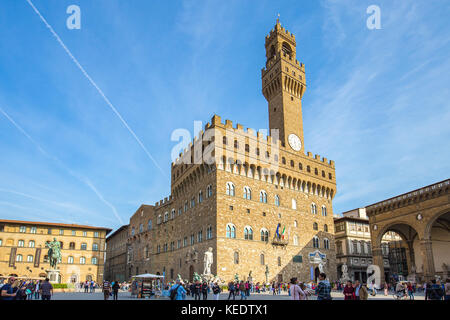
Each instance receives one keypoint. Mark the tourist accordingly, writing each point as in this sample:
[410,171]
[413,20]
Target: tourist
[242,290]
[231,290]
[91,286]
[363,292]
[46,290]
[180,291]
[115,289]
[447,289]
[305,291]
[29,290]
[386,288]
[435,292]
[410,290]
[247,289]
[216,291]
[323,289]
[357,287]
[295,291]
[37,289]
[205,290]
[197,290]
[349,291]
[400,290]
[106,288]
[7,292]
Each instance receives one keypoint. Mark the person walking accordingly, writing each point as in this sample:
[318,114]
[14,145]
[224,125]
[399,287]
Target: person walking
[386,289]
[205,290]
[37,289]
[115,290]
[357,287]
[435,292]
[106,289]
[231,290]
[363,292]
[216,291]
[323,289]
[349,291]
[46,290]
[410,289]
[7,292]
[242,290]
[180,291]
[447,289]
[197,290]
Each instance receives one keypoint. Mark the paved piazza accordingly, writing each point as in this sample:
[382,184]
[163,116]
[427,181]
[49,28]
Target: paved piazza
[223,296]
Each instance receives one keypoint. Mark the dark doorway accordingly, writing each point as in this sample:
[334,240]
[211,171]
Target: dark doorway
[191,273]
[316,274]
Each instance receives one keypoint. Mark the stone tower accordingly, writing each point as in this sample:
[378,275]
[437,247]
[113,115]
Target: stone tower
[283,85]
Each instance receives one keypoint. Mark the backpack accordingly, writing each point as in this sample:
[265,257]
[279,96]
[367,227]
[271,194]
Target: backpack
[435,293]
[174,292]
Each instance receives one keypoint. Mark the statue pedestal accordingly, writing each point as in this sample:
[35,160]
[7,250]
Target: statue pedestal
[54,275]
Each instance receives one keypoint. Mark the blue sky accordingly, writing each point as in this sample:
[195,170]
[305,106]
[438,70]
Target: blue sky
[377,101]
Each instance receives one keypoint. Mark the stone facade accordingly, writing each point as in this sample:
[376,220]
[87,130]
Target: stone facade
[232,188]
[353,244]
[23,251]
[422,218]
[116,253]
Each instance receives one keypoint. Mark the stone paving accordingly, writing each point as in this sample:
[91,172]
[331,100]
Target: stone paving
[223,296]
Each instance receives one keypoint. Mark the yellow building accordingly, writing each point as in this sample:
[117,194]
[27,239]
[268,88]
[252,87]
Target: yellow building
[23,251]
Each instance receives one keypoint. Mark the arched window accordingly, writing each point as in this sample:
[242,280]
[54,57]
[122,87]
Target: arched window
[261,259]
[209,191]
[209,232]
[231,231]
[236,257]
[324,211]
[166,216]
[300,166]
[70,260]
[263,196]
[248,233]
[295,240]
[277,200]
[294,204]
[172,214]
[21,243]
[200,197]
[149,225]
[83,246]
[313,208]
[224,140]
[141,228]
[286,48]
[295,223]
[230,189]
[132,231]
[95,247]
[72,246]
[94,260]
[29,258]
[279,261]
[185,206]
[283,160]
[264,235]
[325,228]
[315,242]
[326,243]
[315,226]
[31,244]
[82,260]
[19,258]
[247,193]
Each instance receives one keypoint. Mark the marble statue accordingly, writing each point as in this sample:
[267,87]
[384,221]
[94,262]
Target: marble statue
[207,261]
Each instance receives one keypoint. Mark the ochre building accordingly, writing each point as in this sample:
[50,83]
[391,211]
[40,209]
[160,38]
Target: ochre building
[23,251]
[258,199]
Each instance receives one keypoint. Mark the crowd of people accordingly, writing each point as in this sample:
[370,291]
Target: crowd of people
[15,289]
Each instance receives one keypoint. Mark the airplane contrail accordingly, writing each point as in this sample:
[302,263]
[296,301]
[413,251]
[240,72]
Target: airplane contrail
[95,86]
[46,154]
